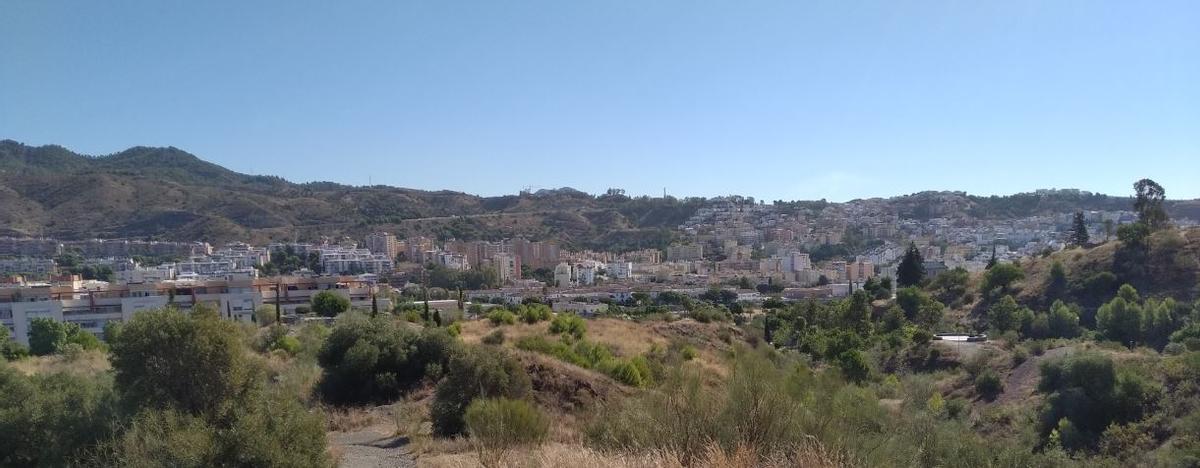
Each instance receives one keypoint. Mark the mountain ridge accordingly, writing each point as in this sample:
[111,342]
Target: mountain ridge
[167,193]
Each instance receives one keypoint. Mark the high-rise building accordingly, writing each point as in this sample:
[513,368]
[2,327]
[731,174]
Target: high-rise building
[508,266]
[383,243]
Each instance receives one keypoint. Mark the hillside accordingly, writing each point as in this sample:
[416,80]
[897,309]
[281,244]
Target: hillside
[170,194]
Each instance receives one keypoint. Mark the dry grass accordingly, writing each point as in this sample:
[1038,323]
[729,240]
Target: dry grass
[556,455]
[349,419]
[624,337]
[87,363]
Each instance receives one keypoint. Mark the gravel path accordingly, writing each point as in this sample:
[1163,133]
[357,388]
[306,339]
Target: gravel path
[372,447]
[1022,381]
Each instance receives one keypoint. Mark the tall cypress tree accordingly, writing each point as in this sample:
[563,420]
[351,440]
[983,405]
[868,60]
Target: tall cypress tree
[912,267]
[1079,232]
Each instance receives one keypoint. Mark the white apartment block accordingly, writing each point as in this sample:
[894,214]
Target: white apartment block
[620,270]
[92,305]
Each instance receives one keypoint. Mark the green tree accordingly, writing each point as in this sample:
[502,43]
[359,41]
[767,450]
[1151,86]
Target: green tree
[912,268]
[1087,391]
[1063,320]
[1000,278]
[193,362]
[1121,319]
[53,420]
[951,285]
[329,304]
[1005,314]
[854,365]
[46,336]
[1079,232]
[1148,203]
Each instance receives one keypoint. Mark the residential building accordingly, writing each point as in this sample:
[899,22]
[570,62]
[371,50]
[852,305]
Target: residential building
[383,243]
[685,252]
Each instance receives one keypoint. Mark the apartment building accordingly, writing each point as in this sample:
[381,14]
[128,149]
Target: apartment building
[677,253]
[508,267]
[91,304]
[383,243]
[859,271]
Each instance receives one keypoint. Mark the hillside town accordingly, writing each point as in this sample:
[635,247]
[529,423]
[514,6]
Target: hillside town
[755,249]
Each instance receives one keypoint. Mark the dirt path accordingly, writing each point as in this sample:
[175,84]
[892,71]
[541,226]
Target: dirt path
[1022,381]
[374,446]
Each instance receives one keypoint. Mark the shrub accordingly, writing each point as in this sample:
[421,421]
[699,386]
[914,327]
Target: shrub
[534,313]
[854,366]
[10,349]
[1019,356]
[988,384]
[288,344]
[265,315]
[49,336]
[455,329]
[312,337]
[54,419]
[501,423]
[369,359]
[1087,391]
[475,373]
[501,317]
[570,324]
[495,338]
[688,352]
[956,408]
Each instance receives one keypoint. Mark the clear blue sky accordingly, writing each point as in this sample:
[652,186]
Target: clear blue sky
[777,100]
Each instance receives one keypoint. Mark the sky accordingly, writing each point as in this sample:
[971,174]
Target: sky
[771,99]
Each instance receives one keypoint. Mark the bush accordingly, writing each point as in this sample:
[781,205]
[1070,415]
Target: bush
[501,423]
[534,313]
[53,420]
[10,349]
[1087,391]
[688,352]
[988,384]
[329,304]
[475,373]
[570,324]
[369,359]
[501,317]
[1019,356]
[854,366]
[956,408]
[495,338]
[49,336]
[265,315]
[455,329]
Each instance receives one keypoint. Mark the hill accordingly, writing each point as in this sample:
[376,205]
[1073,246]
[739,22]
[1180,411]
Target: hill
[170,194]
